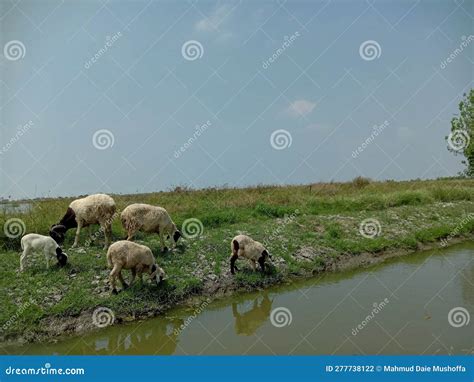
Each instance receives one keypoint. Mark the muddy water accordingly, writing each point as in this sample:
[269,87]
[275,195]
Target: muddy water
[399,307]
[15,208]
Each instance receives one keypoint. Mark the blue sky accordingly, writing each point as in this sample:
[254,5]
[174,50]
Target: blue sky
[322,93]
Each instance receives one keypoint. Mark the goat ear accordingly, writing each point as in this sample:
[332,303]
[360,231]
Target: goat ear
[176,235]
[62,259]
[154,270]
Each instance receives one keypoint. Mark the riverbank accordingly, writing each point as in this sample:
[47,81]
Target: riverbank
[324,314]
[308,230]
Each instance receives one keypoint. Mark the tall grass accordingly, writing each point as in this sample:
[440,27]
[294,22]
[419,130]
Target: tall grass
[219,207]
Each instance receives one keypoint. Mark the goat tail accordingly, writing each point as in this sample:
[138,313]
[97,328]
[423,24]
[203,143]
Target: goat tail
[109,260]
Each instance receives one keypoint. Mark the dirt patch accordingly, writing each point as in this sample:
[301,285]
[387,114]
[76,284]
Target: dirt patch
[310,254]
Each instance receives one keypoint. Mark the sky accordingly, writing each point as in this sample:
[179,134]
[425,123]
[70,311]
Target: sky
[142,96]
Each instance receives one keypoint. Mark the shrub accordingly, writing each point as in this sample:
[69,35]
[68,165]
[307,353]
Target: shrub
[408,198]
[274,211]
[451,194]
[361,182]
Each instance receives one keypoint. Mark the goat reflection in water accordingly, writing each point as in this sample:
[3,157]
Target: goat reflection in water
[161,336]
[248,322]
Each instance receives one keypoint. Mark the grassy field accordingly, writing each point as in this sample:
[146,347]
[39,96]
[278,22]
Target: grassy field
[308,229]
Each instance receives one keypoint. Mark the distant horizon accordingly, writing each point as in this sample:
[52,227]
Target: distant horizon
[225,187]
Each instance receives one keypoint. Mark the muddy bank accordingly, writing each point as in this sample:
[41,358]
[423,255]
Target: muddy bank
[322,259]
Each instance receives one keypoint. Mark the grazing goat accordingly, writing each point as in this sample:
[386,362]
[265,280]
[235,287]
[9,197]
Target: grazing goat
[245,246]
[138,258]
[38,243]
[151,219]
[93,209]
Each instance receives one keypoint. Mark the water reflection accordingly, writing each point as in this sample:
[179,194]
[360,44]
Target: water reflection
[249,321]
[441,278]
[467,277]
[157,337]
[15,207]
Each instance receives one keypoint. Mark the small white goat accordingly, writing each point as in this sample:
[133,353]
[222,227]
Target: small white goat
[34,242]
[138,258]
[245,246]
[152,219]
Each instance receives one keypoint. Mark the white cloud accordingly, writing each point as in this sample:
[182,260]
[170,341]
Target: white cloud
[300,108]
[217,17]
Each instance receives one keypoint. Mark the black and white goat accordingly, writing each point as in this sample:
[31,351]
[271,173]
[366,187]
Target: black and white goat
[34,242]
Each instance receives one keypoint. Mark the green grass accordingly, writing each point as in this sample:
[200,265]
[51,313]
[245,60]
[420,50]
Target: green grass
[324,217]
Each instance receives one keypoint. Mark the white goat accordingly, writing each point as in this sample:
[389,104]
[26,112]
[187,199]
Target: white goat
[93,209]
[138,258]
[152,219]
[34,242]
[245,246]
